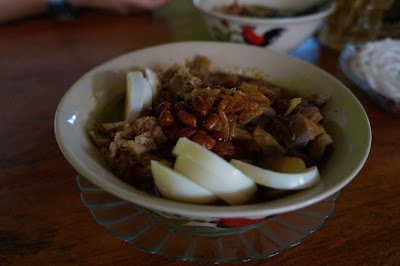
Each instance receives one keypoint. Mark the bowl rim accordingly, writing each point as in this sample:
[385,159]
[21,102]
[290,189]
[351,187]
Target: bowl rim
[327,9]
[143,199]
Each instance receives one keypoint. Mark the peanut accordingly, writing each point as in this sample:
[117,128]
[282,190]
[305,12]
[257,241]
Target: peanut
[201,131]
[163,106]
[186,132]
[225,150]
[166,119]
[201,106]
[204,140]
[187,119]
[211,122]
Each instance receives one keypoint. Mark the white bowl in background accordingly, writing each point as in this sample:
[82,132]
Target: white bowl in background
[280,34]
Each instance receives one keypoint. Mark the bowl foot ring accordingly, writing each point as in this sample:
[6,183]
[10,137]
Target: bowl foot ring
[145,232]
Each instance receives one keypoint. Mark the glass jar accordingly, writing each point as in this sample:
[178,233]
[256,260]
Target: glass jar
[355,21]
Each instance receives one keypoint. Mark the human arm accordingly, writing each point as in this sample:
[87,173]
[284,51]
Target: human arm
[11,9]
[14,9]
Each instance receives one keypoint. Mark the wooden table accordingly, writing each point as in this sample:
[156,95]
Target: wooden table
[42,220]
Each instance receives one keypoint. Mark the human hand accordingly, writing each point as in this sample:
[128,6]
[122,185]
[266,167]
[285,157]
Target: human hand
[123,7]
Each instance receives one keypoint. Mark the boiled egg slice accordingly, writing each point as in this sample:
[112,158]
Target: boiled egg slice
[154,82]
[173,185]
[136,91]
[225,185]
[148,95]
[140,92]
[279,180]
[212,172]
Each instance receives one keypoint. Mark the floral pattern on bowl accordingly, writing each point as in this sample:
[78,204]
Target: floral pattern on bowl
[246,34]
[280,33]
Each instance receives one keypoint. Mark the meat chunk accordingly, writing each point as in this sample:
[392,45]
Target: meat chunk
[199,67]
[268,144]
[123,144]
[143,135]
[304,130]
[148,141]
[183,81]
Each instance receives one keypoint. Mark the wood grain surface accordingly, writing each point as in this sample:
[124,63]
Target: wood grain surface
[42,220]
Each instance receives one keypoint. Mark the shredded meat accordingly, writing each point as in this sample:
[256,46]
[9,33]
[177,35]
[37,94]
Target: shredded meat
[124,143]
[199,67]
[182,81]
